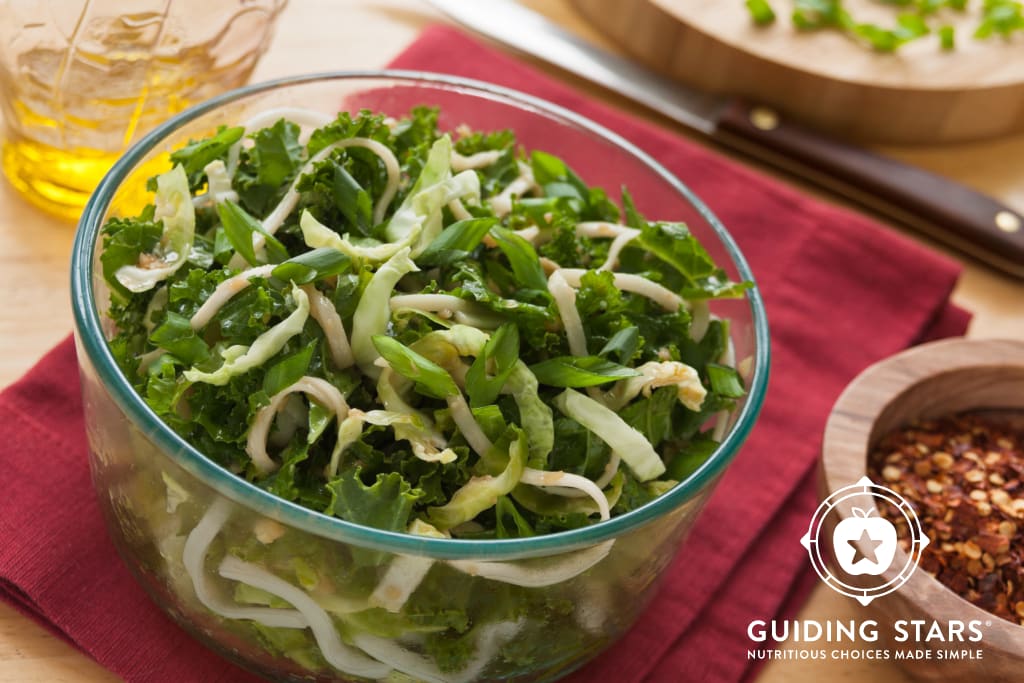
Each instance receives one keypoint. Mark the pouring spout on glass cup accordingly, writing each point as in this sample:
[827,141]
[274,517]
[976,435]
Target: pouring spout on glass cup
[81,80]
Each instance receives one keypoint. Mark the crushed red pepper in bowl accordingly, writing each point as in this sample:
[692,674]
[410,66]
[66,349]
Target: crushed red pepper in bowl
[964,475]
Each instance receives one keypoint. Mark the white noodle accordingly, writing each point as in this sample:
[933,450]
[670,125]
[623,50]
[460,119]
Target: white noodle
[340,656]
[156,303]
[621,236]
[458,371]
[474,161]
[194,559]
[291,416]
[610,470]
[616,247]
[304,117]
[447,306]
[467,424]
[701,318]
[146,359]
[320,389]
[630,282]
[529,234]
[745,367]
[722,417]
[721,424]
[429,302]
[490,638]
[593,605]
[339,604]
[458,210]
[535,477]
[600,229]
[307,118]
[565,301]
[540,573]
[729,355]
[326,315]
[272,222]
[548,265]
[502,204]
[224,292]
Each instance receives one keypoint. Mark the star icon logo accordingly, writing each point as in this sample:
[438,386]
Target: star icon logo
[864,543]
[864,548]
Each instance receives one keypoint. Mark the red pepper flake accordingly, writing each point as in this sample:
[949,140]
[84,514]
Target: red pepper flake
[963,476]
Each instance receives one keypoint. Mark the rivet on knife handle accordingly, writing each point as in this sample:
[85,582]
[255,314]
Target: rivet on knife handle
[943,209]
[1008,222]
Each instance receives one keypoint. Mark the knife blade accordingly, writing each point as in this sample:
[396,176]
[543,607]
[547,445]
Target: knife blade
[949,212]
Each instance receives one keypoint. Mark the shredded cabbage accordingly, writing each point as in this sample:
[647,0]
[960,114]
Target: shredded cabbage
[373,312]
[632,446]
[481,493]
[351,428]
[418,220]
[536,415]
[316,235]
[427,443]
[219,182]
[656,374]
[175,210]
[240,359]
[436,168]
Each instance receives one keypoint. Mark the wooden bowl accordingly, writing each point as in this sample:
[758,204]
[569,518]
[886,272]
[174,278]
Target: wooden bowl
[929,381]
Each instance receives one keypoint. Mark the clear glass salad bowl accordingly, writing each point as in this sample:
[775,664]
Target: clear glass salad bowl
[529,609]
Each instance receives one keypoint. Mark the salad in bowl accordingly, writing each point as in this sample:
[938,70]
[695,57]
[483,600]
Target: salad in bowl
[436,343]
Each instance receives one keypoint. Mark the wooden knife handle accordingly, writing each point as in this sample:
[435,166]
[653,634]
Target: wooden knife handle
[947,211]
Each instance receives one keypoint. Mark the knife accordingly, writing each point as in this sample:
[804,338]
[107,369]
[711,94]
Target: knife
[950,213]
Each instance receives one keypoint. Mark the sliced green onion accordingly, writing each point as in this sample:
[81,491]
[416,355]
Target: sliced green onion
[580,371]
[761,12]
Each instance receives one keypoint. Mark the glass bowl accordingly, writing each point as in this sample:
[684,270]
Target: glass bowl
[529,609]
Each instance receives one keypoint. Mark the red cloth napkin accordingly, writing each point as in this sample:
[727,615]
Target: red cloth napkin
[841,293]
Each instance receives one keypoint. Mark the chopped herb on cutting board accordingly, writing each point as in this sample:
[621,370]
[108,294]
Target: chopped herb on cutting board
[912,19]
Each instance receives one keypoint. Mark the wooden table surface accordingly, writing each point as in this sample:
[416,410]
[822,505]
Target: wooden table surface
[319,35]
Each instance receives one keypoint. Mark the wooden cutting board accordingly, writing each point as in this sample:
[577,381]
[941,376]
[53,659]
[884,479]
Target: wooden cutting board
[919,95]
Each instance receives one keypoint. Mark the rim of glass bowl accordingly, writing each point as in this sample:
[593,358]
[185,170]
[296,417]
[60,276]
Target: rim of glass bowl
[94,344]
